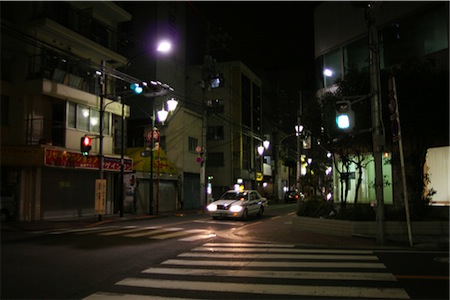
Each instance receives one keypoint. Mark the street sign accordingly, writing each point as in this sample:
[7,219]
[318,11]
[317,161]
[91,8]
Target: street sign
[148,136]
[259,176]
[100,196]
[198,149]
[146,153]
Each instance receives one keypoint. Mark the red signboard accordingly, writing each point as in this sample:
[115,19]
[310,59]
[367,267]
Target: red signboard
[60,158]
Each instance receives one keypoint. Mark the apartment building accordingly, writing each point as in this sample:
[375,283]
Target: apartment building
[58,81]
[233,127]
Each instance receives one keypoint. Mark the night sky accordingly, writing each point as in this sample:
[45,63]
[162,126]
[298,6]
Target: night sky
[277,37]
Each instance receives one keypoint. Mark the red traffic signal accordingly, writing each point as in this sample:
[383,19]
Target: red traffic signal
[85,145]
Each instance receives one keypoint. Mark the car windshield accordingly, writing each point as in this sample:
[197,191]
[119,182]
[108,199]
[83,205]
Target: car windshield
[233,196]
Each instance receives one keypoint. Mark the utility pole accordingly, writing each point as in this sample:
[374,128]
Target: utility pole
[207,61]
[395,117]
[378,137]
[299,144]
[101,183]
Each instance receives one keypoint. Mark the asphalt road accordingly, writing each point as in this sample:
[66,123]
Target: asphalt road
[192,256]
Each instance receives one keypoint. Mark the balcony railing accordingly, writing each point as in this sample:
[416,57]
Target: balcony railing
[60,69]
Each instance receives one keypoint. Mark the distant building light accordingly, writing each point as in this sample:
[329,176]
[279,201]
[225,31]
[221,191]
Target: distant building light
[215,82]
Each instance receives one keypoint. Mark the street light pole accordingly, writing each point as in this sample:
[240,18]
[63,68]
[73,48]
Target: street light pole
[102,79]
[122,168]
[152,145]
[162,117]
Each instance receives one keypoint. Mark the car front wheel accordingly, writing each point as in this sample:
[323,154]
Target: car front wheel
[260,212]
[245,215]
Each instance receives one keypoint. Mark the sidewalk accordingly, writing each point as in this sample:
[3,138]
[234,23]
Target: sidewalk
[274,230]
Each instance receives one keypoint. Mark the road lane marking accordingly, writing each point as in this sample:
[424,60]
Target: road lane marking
[198,237]
[120,230]
[270,289]
[81,230]
[152,231]
[360,276]
[247,245]
[118,296]
[277,256]
[284,250]
[274,264]
[178,233]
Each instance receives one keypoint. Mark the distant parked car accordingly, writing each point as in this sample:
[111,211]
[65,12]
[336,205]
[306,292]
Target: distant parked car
[293,196]
[238,204]
[7,204]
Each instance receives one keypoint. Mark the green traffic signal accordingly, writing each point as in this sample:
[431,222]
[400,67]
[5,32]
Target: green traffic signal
[345,117]
[136,88]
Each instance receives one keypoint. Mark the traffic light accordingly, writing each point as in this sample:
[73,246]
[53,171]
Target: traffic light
[85,145]
[137,88]
[345,117]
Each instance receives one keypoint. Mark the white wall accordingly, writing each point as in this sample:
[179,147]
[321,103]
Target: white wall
[438,168]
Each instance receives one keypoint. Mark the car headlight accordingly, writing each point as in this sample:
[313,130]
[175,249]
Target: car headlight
[236,208]
[211,207]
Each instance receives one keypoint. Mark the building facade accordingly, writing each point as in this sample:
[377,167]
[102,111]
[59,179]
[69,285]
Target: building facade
[233,127]
[406,31]
[58,85]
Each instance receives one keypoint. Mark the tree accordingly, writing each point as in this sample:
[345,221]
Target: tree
[348,147]
[422,94]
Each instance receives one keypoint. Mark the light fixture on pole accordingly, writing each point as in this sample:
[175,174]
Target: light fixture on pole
[261,150]
[164,46]
[162,117]
[298,132]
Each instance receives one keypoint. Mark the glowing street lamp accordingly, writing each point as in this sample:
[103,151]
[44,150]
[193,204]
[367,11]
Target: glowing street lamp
[171,106]
[164,46]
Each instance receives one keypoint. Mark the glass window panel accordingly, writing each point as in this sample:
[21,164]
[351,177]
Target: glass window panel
[193,143]
[356,55]
[95,121]
[332,64]
[426,34]
[215,133]
[106,126]
[83,117]
[72,115]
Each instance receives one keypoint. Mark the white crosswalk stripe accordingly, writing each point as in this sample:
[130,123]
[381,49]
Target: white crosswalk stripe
[152,232]
[286,271]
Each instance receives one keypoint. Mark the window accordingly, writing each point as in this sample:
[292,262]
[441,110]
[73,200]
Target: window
[416,36]
[72,115]
[192,144]
[246,101]
[332,67]
[82,117]
[217,105]
[216,159]
[256,106]
[356,55]
[215,133]
[94,121]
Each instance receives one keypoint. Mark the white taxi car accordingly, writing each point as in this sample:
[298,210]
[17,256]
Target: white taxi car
[238,204]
